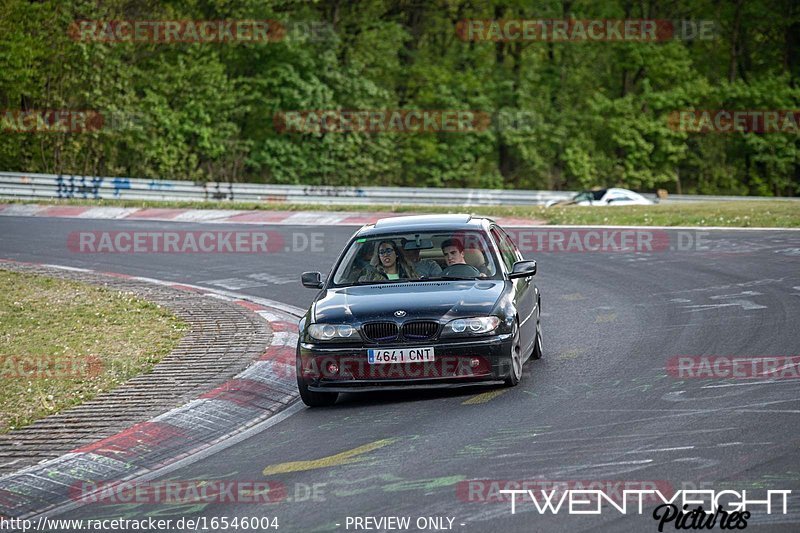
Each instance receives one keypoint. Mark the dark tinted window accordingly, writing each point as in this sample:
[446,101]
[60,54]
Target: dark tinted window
[507,250]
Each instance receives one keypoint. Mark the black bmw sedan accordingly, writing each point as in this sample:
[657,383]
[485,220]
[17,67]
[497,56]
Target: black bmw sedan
[420,301]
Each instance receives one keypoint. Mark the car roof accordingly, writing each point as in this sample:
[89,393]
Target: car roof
[424,223]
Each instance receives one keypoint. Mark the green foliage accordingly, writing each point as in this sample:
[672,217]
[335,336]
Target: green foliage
[566,115]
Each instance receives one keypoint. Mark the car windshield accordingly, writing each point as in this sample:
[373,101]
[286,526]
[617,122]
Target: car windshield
[589,195]
[416,257]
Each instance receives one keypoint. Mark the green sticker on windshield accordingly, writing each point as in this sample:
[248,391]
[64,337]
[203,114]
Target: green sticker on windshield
[361,240]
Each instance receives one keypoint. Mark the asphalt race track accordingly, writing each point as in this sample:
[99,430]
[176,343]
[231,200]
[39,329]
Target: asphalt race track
[599,407]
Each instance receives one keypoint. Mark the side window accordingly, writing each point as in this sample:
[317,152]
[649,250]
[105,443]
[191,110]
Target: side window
[512,245]
[507,251]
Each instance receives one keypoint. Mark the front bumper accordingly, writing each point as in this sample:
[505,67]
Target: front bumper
[458,362]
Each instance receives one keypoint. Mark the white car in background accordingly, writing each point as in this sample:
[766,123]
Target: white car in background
[614,196]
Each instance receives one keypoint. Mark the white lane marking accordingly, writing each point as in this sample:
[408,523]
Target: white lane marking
[161,282]
[759,382]
[108,212]
[73,269]
[648,450]
[204,215]
[623,437]
[735,300]
[681,412]
[252,280]
[219,297]
[22,210]
[673,396]
[315,218]
[275,279]
[737,295]
[781,411]
[752,283]
[233,284]
[279,317]
[788,251]
[746,305]
[284,338]
[577,468]
[703,462]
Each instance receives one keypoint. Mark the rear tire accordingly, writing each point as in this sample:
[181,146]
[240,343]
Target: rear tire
[514,358]
[311,398]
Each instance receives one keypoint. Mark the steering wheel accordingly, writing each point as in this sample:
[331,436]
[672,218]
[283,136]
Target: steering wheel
[461,270]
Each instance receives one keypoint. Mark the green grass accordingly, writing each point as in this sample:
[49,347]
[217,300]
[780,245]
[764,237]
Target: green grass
[63,342]
[752,213]
[744,214]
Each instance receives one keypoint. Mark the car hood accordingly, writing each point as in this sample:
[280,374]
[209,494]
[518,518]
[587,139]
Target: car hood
[433,300]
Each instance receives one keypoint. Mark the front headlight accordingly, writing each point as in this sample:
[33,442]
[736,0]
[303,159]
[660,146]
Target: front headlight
[479,325]
[328,332]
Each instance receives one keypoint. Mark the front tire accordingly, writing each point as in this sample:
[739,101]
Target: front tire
[537,345]
[514,358]
[311,398]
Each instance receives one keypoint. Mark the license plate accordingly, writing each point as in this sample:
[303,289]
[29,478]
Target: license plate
[399,355]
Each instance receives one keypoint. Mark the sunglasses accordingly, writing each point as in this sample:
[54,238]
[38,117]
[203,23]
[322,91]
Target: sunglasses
[385,251]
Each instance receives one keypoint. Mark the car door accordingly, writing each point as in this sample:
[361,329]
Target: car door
[524,289]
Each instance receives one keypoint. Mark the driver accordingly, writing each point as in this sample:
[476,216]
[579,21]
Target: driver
[453,250]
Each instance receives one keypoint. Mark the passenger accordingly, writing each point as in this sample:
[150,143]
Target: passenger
[426,268]
[388,263]
[361,263]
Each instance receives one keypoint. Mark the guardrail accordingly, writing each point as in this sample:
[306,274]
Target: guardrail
[29,186]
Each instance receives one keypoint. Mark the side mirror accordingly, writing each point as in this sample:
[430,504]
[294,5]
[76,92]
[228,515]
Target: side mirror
[523,269]
[311,280]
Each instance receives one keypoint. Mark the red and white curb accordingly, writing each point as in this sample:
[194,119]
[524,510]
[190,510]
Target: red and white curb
[215,216]
[244,405]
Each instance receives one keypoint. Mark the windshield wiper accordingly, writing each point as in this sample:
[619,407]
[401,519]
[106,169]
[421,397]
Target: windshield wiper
[447,278]
[376,282]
